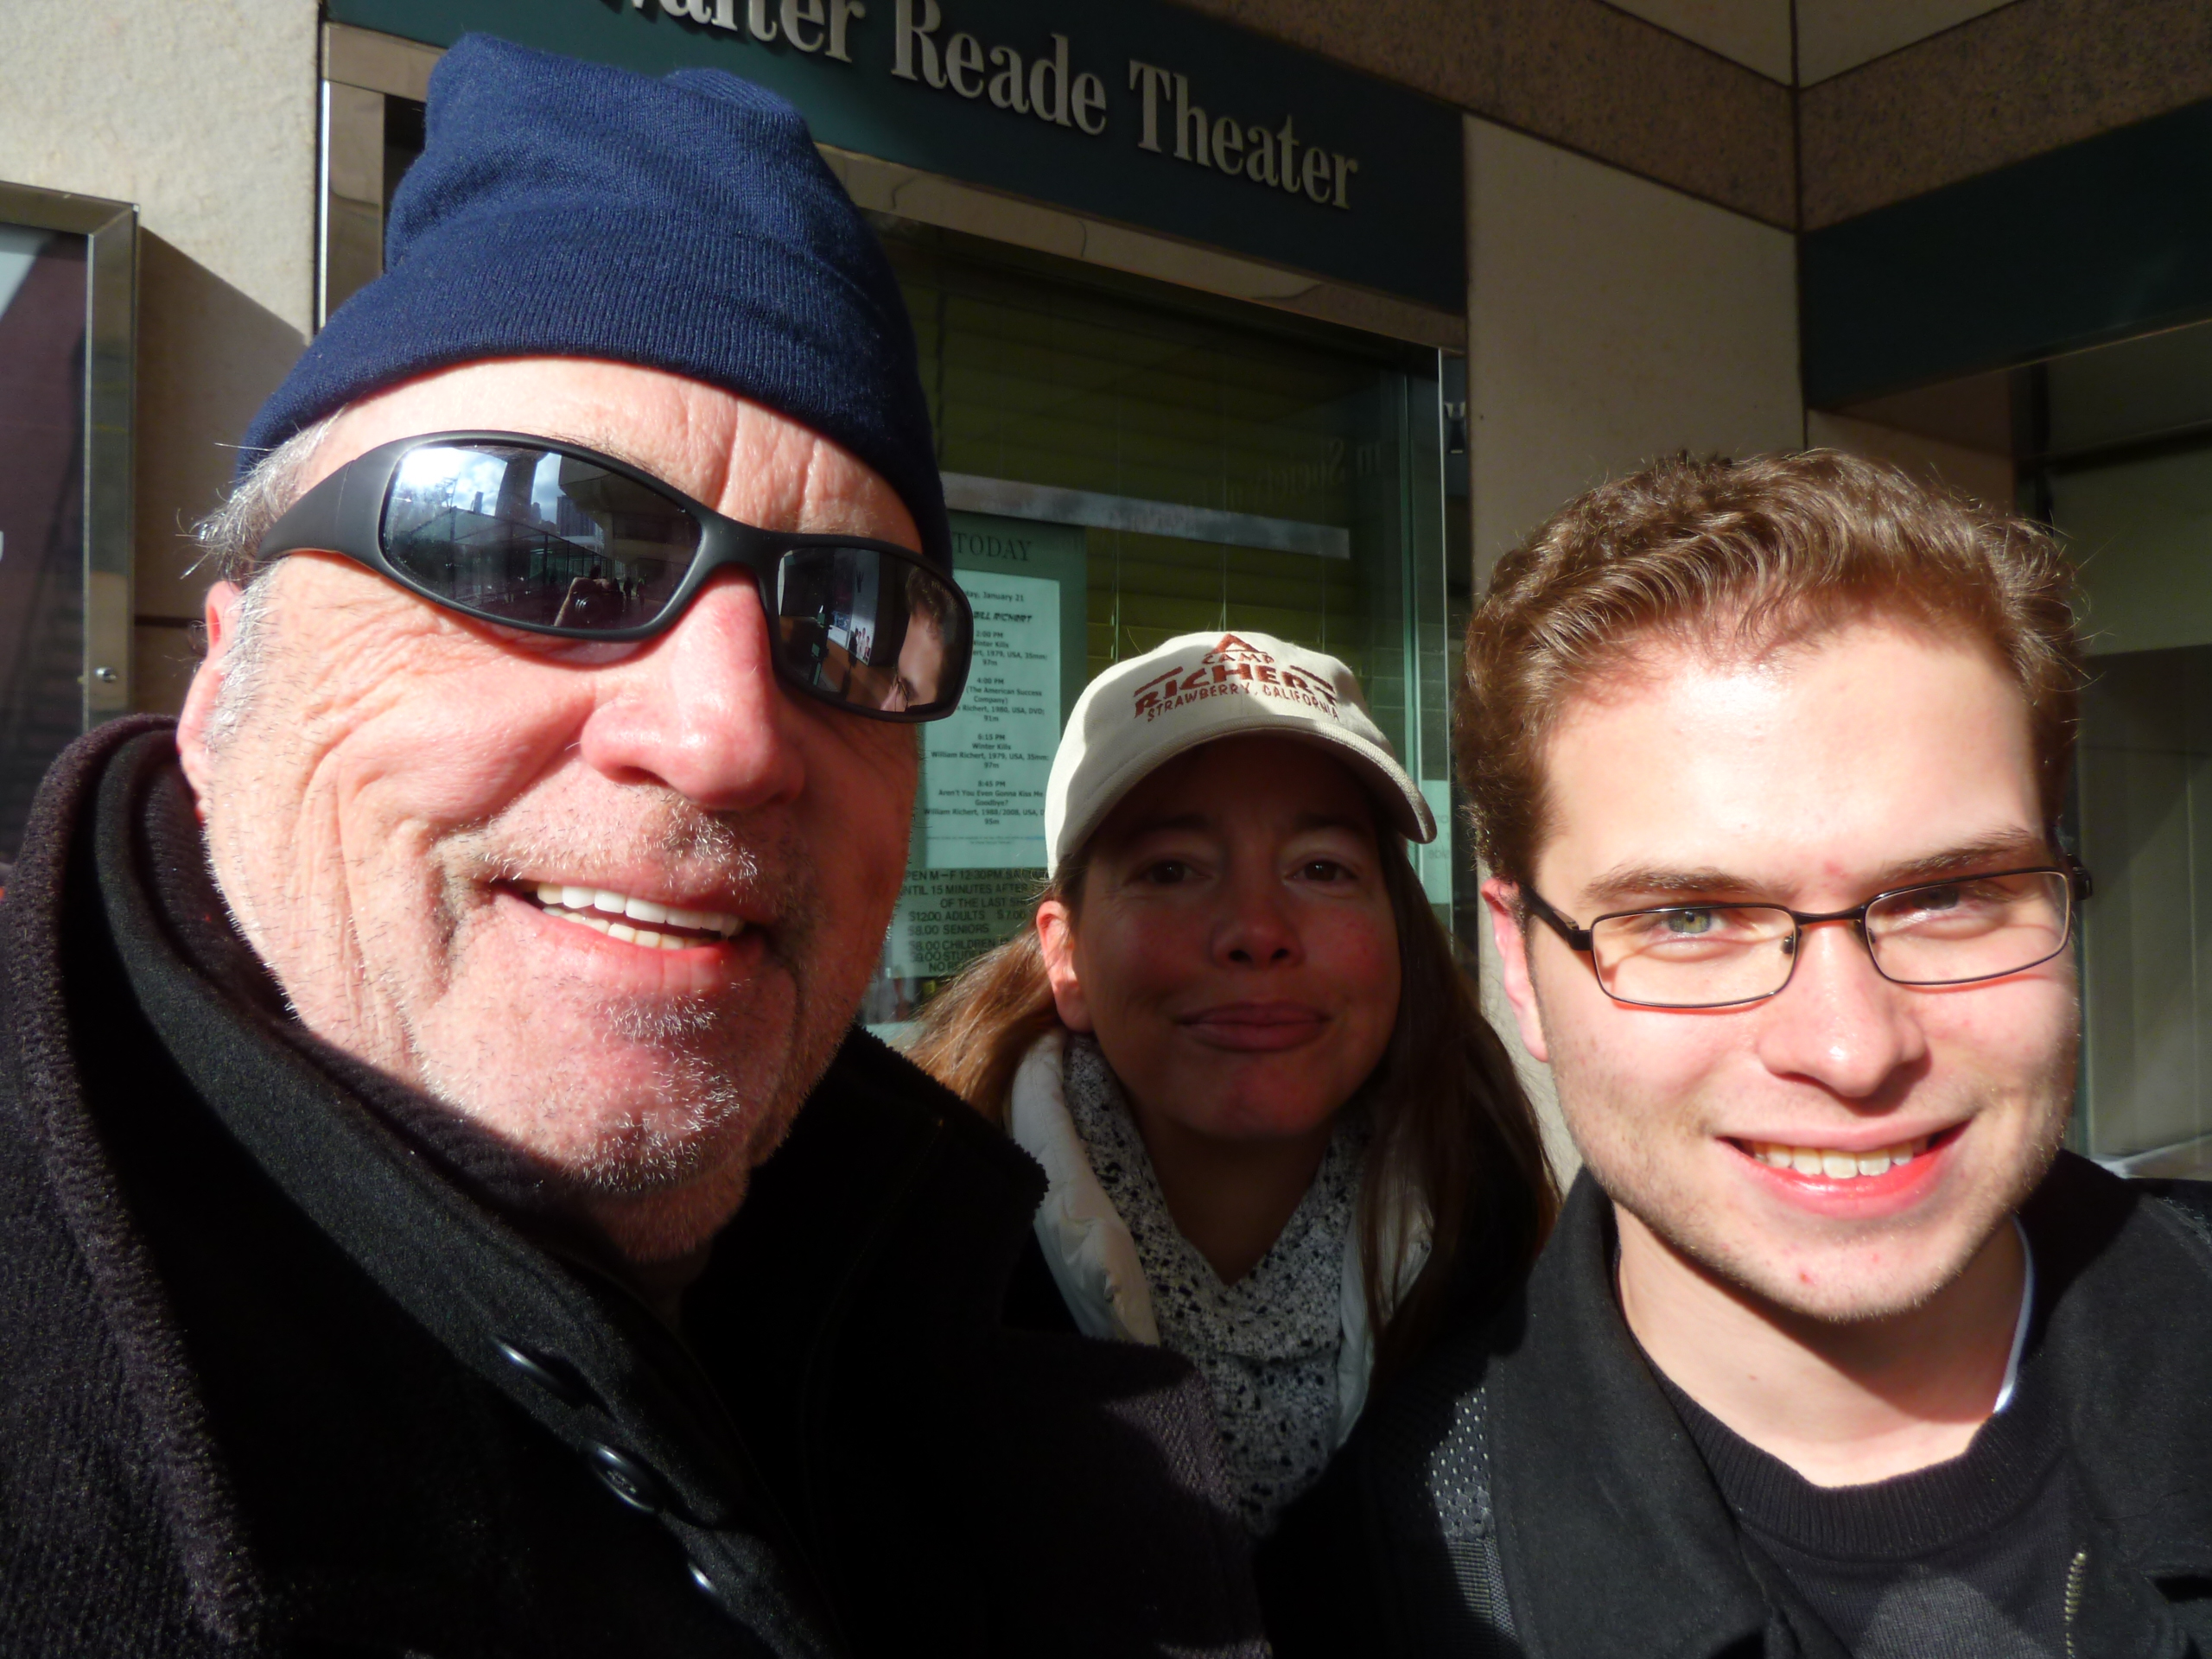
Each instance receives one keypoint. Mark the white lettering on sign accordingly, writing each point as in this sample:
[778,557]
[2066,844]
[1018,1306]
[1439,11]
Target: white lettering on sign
[809,25]
[1045,86]
[1227,145]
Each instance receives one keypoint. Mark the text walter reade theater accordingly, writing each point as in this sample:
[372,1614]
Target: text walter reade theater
[1049,85]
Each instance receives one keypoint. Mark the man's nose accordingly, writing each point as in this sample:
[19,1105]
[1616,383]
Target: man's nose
[1256,928]
[1838,1023]
[700,709]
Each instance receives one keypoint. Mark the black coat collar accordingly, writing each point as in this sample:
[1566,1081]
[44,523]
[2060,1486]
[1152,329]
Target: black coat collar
[1586,1454]
[555,1330]
[475,1241]
[1616,1542]
[2128,1343]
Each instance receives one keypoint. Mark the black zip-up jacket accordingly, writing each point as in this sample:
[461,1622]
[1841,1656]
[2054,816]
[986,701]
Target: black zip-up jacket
[292,1364]
[1528,1490]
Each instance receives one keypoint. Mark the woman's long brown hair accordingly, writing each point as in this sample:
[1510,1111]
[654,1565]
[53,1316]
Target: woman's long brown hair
[1452,1124]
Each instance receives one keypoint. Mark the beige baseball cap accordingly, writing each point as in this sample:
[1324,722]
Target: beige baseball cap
[1201,687]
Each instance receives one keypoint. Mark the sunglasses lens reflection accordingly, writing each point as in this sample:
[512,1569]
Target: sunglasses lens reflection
[874,632]
[532,536]
[536,538]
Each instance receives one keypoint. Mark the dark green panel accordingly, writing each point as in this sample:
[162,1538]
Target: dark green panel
[1401,231]
[2104,238]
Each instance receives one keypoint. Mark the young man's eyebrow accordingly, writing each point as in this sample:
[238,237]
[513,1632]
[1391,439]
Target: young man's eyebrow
[2002,849]
[2007,850]
[1627,883]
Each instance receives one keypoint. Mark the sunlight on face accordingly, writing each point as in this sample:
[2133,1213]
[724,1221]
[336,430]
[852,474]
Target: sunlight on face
[1809,780]
[1234,951]
[614,904]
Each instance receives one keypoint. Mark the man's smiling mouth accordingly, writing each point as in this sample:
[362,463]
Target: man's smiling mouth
[1841,1164]
[643,922]
[1835,1165]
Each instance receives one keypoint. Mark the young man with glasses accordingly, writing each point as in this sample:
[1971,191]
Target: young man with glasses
[445,1204]
[1834,1352]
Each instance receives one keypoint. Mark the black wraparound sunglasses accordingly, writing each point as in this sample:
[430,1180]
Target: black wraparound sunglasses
[551,538]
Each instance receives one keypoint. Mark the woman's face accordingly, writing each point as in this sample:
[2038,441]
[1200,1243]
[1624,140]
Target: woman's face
[1234,951]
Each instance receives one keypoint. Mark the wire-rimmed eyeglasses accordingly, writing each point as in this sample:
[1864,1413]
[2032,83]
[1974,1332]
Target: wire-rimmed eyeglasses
[1956,932]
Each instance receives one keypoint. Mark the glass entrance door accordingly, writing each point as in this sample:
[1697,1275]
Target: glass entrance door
[1126,462]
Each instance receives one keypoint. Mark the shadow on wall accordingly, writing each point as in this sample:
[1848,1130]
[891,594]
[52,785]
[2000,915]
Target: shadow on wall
[208,357]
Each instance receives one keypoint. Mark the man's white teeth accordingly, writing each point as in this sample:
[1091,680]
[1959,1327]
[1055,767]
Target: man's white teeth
[1837,1165]
[617,914]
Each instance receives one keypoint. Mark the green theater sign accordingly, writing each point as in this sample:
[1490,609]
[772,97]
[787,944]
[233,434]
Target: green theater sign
[1137,110]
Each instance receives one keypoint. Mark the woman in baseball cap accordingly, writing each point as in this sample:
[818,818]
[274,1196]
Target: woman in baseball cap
[1280,1137]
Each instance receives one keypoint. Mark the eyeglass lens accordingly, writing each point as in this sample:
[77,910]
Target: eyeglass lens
[1942,934]
[540,539]
[535,539]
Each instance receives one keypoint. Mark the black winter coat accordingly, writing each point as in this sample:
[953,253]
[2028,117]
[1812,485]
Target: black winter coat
[1527,1491]
[290,1363]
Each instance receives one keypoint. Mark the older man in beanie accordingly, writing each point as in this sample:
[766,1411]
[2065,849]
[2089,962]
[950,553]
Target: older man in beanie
[445,1206]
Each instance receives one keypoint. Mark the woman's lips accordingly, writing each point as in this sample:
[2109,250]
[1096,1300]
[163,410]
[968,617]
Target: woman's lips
[1255,1026]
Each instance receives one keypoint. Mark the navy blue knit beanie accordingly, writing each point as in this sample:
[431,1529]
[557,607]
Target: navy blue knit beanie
[563,208]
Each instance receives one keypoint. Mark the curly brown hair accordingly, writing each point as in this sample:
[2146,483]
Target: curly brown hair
[1741,558]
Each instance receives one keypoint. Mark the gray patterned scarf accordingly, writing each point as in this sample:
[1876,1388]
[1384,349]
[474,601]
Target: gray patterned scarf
[1266,1345]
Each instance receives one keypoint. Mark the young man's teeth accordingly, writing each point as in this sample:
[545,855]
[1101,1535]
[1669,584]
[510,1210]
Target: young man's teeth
[1837,1165]
[618,915]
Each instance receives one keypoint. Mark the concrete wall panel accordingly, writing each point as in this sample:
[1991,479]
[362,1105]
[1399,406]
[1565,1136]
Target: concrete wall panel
[2028,78]
[1611,320]
[1577,72]
[1754,33]
[205,115]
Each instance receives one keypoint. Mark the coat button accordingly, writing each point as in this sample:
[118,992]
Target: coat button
[627,1478]
[555,1376]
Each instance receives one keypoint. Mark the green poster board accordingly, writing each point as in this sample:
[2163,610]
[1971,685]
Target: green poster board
[978,849]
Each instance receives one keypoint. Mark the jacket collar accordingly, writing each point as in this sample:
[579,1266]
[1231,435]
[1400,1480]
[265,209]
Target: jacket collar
[1585,1453]
[1616,1541]
[466,1238]
[2127,1343]
[1086,1244]
[49,926]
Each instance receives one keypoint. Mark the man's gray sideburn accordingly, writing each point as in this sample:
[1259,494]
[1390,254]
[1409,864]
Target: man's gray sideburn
[229,538]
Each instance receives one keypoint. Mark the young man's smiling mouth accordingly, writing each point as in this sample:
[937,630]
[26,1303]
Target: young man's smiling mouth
[1812,1163]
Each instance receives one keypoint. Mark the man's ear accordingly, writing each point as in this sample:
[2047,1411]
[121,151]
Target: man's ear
[1503,898]
[221,616]
[1055,939]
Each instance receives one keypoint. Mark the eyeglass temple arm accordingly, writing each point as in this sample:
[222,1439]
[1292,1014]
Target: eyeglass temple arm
[1577,938]
[322,519]
[2079,875]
